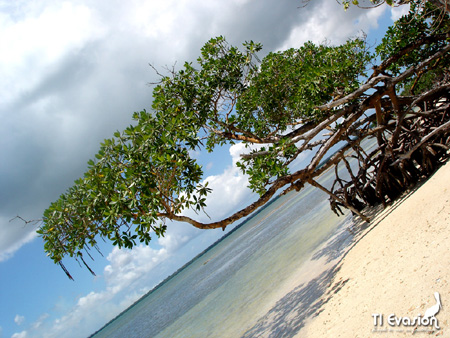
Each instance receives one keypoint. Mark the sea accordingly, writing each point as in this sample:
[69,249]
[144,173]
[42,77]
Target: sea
[266,278]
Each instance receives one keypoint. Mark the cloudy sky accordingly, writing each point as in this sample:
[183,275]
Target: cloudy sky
[71,74]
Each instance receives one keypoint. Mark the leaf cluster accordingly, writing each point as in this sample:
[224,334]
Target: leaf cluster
[421,24]
[291,84]
[146,175]
[140,177]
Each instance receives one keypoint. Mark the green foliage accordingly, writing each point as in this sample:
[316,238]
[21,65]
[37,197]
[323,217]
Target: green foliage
[288,88]
[145,175]
[233,96]
[420,24]
[291,84]
[264,170]
[206,98]
[374,3]
[141,177]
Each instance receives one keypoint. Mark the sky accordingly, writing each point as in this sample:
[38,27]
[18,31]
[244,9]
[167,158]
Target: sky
[71,74]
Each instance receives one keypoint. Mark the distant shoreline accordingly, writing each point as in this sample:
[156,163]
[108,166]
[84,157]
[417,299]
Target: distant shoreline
[170,277]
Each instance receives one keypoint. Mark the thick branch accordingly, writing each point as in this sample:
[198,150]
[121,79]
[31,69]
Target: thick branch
[394,58]
[381,77]
[436,131]
[279,183]
[321,187]
[307,134]
[231,136]
[334,139]
[357,93]
[411,70]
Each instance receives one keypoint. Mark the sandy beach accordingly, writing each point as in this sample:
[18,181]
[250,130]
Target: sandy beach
[393,271]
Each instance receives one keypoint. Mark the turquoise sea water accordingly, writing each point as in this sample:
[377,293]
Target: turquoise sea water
[234,289]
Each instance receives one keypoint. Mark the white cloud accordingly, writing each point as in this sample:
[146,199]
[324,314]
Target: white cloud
[230,189]
[31,44]
[128,271]
[126,275]
[83,318]
[38,323]
[334,24]
[126,281]
[399,11]
[128,266]
[73,73]
[14,235]
[22,334]
[19,319]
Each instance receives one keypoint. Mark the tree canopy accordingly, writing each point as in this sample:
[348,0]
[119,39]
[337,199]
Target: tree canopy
[442,5]
[145,175]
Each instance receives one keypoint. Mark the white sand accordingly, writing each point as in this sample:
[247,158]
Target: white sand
[394,269]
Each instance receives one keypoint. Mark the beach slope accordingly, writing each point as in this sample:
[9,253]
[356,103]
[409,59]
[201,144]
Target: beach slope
[394,269]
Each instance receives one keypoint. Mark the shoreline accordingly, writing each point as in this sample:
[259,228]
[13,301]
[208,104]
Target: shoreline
[394,267]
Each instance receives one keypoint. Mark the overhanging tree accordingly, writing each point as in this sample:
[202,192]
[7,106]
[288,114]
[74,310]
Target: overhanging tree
[442,5]
[311,98]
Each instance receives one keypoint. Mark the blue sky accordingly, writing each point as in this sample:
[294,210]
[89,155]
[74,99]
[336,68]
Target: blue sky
[72,73]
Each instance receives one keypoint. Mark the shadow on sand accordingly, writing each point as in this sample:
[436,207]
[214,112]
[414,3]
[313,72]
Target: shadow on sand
[291,312]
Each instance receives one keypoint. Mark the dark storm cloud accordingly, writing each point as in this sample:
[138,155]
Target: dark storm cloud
[51,130]
[59,108]
[72,73]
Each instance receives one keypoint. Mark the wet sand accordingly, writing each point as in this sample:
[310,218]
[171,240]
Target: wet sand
[395,267]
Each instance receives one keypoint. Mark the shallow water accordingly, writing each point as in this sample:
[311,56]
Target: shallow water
[233,290]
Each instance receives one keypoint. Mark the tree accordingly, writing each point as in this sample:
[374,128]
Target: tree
[145,175]
[443,5]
